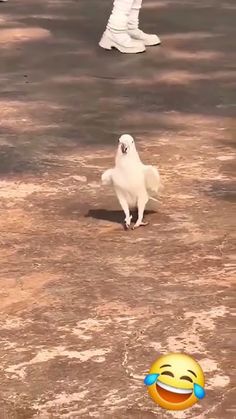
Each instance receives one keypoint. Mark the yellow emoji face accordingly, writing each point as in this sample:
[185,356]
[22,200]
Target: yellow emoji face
[175,381]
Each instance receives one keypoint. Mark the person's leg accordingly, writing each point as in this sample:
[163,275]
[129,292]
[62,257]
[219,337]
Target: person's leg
[116,34]
[133,26]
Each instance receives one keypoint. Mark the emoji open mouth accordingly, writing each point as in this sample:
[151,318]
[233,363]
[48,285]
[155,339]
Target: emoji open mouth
[172,394]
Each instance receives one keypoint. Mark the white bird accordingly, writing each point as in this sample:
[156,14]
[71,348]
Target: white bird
[134,182]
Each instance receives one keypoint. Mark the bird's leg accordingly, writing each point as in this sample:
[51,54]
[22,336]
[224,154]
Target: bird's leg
[125,207]
[141,207]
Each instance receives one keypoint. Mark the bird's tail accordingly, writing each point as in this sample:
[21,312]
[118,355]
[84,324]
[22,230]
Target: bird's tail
[153,199]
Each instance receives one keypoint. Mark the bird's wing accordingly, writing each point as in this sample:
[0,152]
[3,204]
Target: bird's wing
[107,177]
[152,179]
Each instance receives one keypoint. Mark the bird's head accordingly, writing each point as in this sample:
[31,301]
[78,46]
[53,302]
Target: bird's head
[126,144]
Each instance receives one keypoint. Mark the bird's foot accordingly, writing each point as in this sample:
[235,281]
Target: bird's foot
[127,222]
[140,223]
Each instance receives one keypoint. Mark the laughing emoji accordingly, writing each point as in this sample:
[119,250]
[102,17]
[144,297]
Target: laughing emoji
[175,381]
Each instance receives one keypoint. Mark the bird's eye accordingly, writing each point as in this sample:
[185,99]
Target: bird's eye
[185,377]
[167,373]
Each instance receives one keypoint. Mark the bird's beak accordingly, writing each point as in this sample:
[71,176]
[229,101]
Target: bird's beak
[124,149]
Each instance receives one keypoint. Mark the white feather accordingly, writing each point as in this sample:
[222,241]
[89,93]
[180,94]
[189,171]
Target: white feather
[152,180]
[107,177]
[134,183]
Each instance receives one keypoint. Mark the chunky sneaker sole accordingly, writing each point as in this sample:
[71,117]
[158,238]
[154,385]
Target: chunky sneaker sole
[108,43]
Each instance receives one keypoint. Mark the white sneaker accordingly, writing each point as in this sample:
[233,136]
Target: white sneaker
[121,41]
[148,39]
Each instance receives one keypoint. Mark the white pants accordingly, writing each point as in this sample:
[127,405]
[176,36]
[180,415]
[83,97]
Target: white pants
[125,14]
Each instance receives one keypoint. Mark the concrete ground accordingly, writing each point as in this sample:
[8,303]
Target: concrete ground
[85,306]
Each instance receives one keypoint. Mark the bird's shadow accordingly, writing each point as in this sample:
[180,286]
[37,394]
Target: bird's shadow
[114,216]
